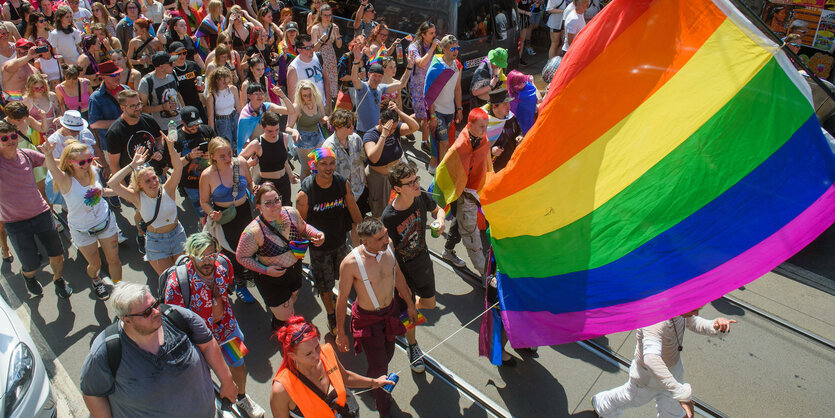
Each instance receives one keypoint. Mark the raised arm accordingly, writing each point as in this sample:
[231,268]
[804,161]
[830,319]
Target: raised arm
[116,182]
[177,168]
[404,79]
[62,179]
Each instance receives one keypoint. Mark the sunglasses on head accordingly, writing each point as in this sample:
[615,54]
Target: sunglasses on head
[82,163]
[10,137]
[148,311]
[298,336]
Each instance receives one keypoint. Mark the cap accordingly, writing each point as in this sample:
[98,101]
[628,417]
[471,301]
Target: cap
[160,58]
[176,47]
[291,26]
[375,68]
[22,42]
[108,68]
[190,116]
[498,57]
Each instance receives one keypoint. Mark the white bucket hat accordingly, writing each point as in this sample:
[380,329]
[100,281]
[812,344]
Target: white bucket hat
[73,121]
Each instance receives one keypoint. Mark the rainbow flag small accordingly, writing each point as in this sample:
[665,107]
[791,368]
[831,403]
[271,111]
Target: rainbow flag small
[404,318]
[233,350]
[409,38]
[298,248]
[379,55]
[14,95]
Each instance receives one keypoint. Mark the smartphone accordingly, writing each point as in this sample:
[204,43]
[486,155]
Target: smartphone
[42,49]
[204,146]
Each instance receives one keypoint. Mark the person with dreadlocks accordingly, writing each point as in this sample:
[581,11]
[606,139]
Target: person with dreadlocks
[311,381]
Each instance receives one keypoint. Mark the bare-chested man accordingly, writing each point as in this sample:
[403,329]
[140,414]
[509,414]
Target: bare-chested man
[375,316]
[16,70]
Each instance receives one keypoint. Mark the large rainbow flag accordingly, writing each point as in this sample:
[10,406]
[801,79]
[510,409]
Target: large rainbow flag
[677,157]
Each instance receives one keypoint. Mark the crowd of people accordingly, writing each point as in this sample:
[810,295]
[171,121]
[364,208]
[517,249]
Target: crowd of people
[145,102]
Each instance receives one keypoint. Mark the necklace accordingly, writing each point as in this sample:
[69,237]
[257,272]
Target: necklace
[675,330]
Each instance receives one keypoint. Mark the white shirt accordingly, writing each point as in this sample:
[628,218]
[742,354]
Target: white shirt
[59,140]
[445,102]
[310,71]
[555,19]
[65,44]
[573,23]
[81,18]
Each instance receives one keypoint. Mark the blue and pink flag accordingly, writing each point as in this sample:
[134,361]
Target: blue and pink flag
[437,76]
[641,193]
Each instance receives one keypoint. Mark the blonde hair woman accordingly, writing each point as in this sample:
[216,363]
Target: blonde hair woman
[223,56]
[38,98]
[90,220]
[307,119]
[223,187]
[164,235]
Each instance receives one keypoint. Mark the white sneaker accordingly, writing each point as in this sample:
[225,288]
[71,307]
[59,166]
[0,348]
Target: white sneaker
[449,255]
[249,407]
[530,51]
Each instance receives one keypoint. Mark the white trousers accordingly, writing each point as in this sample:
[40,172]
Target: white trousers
[632,394]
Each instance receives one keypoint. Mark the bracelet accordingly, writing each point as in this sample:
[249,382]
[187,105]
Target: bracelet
[459,108]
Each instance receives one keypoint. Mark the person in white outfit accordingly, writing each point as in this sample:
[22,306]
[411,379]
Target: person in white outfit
[657,372]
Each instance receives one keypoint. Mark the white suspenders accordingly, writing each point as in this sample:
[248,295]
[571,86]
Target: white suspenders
[371,294]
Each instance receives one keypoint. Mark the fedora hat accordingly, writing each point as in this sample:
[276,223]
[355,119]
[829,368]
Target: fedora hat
[108,68]
[73,121]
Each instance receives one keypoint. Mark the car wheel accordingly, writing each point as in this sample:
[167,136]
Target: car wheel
[406,97]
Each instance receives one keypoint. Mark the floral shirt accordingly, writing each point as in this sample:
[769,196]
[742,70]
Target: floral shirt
[350,162]
[201,299]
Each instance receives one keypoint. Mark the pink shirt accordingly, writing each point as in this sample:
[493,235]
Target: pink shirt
[21,198]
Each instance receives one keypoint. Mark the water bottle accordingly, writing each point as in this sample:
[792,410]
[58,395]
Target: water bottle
[399,52]
[172,130]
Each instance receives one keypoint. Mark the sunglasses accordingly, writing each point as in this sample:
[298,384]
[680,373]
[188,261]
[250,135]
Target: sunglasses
[454,48]
[82,163]
[304,48]
[41,20]
[148,311]
[10,137]
[271,203]
[416,181]
[205,258]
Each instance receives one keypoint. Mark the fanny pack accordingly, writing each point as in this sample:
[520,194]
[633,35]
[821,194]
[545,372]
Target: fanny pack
[228,214]
[101,226]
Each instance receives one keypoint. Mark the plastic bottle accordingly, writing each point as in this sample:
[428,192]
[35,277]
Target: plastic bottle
[172,130]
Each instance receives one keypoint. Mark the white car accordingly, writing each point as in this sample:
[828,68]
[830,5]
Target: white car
[25,385]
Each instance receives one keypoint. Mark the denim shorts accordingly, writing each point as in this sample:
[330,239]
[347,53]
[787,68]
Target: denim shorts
[236,333]
[444,122]
[228,128]
[194,197]
[310,140]
[169,244]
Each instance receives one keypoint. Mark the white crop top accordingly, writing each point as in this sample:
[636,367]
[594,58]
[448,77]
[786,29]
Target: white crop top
[167,209]
[224,102]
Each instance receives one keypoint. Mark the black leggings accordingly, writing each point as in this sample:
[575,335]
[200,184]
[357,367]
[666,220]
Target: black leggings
[233,231]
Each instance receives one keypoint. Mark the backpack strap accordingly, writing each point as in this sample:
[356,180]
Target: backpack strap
[182,279]
[113,346]
[177,319]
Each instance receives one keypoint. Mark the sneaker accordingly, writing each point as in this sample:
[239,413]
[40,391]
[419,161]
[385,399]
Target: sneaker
[33,286]
[530,51]
[140,243]
[424,146]
[449,255]
[594,406]
[122,238]
[100,289]
[249,407]
[416,359]
[62,289]
[244,295]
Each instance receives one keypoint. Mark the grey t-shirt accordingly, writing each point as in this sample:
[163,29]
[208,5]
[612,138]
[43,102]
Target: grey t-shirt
[368,105]
[164,90]
[175,382]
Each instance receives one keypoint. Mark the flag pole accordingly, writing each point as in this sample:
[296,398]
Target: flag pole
[756,20]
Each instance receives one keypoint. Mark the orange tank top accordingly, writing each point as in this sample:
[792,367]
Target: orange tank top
[308,402]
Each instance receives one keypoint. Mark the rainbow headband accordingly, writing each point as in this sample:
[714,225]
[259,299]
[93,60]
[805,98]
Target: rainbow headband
[318,154]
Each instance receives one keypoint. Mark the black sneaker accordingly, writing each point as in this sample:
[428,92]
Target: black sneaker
[62,289]
[33,286]
[416,359]
[100,289]
[424,146]
[140,243]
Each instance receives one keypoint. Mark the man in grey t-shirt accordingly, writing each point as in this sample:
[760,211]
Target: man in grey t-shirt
[159,93]
[162,371]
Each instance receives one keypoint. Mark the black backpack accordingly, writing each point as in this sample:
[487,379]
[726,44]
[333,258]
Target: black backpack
[180,274]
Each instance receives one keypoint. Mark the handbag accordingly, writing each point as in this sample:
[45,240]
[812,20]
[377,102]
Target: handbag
[101,227]
[343,101]
[228,214]
[143,226]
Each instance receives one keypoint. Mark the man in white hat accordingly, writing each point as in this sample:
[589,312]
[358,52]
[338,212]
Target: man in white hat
[73,127]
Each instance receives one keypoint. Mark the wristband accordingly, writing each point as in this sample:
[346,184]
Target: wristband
[459,108]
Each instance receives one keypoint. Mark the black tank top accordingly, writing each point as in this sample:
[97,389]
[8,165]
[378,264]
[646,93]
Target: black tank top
[14,14]
[326,210]
[273,154]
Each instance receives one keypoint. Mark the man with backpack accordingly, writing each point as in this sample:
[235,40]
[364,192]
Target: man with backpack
[153,361]
[198,282]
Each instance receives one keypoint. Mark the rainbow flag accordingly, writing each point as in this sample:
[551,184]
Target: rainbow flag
[437,76]
[656,179]
[13,95]
[233,350]
[378,57]
[298,248]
